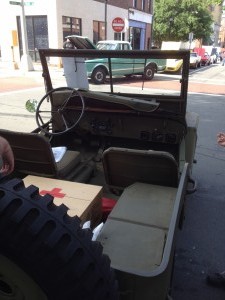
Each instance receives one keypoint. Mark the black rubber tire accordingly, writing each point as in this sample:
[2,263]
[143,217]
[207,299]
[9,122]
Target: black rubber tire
[51,248]
[98,75]
[149,72]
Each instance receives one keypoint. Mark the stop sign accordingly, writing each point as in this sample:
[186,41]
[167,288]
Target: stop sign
[118,24]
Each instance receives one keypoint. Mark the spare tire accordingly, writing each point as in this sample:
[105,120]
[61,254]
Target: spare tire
[44,253]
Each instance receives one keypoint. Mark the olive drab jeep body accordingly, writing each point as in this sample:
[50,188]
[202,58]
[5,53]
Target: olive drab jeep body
[135,139]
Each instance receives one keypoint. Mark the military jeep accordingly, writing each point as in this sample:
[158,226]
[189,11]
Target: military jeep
[132,137]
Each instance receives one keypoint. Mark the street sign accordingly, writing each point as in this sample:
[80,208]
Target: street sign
[14,3]
[118,24]
[28,3]
[19,3]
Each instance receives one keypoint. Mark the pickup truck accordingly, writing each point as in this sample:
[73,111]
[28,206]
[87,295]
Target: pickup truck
[195,60]
[99,69]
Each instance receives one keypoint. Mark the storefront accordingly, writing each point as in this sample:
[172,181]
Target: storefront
[139,29]
[137,35]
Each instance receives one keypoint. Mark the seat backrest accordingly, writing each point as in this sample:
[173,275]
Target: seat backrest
[32,153]
[123,167]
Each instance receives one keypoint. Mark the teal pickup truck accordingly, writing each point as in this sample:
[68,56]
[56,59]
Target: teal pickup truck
[99,69]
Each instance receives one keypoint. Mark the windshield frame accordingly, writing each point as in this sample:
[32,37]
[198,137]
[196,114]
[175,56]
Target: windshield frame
[179,100]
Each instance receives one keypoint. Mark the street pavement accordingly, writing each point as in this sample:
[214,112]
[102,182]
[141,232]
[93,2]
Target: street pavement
[16,87]
[200,245]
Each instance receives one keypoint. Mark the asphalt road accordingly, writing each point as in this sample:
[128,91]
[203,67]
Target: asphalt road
[201,243]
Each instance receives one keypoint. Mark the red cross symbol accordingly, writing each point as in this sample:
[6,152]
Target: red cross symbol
[54,192]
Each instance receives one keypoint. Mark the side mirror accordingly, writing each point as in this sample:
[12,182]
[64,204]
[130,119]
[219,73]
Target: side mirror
[31,105]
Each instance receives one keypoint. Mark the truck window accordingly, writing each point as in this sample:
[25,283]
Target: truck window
[126,47]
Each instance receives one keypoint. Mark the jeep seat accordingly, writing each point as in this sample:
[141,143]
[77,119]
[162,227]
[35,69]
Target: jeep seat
[123,167]
[33,155]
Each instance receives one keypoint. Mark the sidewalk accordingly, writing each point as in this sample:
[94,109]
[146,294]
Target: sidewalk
[16,87]
[8,68]
[12,79]
[16,79]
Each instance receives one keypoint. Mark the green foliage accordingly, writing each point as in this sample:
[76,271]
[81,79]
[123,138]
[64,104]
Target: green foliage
[175,19]
[218,2]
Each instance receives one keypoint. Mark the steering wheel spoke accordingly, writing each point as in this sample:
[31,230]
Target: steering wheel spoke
[64,121]
[46,111]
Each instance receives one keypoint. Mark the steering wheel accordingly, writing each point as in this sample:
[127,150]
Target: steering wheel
[66,114]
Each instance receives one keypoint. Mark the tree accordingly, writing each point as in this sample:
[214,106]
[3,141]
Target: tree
[217,2]
[175,19]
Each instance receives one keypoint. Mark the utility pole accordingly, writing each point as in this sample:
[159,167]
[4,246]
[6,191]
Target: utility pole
[106,4]
[26,61]
[190,38]
[170,25]
[152,32]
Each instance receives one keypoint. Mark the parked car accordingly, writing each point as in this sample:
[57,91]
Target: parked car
[206,59]
[99,69]
[195,60]
[174,65]
[213,52]
[214,58]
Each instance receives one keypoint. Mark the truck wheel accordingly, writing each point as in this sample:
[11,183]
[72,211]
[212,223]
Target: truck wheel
[149,72]
[98,76]
[44,253]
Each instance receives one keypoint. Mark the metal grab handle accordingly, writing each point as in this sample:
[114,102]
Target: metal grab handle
[194,184]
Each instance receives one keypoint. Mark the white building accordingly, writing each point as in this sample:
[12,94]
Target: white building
[49,21]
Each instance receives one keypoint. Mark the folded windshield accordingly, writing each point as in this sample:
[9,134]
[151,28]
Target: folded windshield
[148,75]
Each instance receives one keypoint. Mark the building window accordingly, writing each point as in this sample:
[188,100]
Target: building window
[119,36]
[143,5]
[135,3]
[135,37]
[149,6]
[37,35]
[71,26]
[98,31]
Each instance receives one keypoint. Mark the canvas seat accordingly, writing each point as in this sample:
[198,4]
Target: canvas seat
[144,220]
[123,167]
[33,155]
